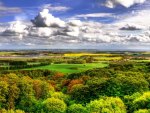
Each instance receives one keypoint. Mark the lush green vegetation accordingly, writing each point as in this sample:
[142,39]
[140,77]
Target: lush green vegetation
[71,68]
[56,85]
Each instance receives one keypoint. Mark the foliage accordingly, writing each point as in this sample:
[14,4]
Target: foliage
[107,105]
[77,108]
[53,105]
[142,111]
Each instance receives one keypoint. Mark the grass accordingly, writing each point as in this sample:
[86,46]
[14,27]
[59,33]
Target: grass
[71,68]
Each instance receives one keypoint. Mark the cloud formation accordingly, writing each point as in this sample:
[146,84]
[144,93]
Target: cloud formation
[125,3]
[45,19]
[49,30]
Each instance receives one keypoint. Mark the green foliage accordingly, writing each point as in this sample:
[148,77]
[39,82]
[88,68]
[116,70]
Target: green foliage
[142,102]
[3,91]
[26,100]
[77,108]
[128,100]
[53,105]
[126,84]
[142,111]
[107,105]
[11,111]
[61,96]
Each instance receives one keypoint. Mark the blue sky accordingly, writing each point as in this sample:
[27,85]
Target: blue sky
[29,8]
[105,24]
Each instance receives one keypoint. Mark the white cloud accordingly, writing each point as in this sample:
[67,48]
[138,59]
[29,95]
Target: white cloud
[72,31]
[75,23]
[16,27]
[138,18]
[55,8]
[93,15]
[4,10]
[45,19]
[40,32]
[125,3]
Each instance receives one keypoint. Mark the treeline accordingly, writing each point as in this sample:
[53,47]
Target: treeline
[14,65]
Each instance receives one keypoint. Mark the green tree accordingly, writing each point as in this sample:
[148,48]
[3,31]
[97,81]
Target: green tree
[77,108]
[26,100]
[3,91]
[53,105]
[142,102]
[107,105]
[142,111]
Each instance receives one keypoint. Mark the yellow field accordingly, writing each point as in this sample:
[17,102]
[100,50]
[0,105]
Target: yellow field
[85,54]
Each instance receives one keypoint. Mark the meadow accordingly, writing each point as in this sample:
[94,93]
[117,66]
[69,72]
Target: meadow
[71,68]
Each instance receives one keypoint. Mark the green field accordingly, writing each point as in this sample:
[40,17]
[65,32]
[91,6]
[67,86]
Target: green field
[71,68]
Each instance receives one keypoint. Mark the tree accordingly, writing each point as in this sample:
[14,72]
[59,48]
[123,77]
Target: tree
[77,108]
[142,111]
[53,105]
[42,89]
[26,100]
[3,91]
[107,105]
[143,101]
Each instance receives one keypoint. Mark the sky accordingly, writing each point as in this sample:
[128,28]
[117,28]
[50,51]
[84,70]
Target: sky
[75,24]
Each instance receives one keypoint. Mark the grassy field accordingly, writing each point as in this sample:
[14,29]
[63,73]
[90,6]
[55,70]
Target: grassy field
[71,68]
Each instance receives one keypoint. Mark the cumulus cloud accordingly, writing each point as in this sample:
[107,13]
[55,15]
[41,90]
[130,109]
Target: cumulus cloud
[45,19]
[16,27]
[125,3]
